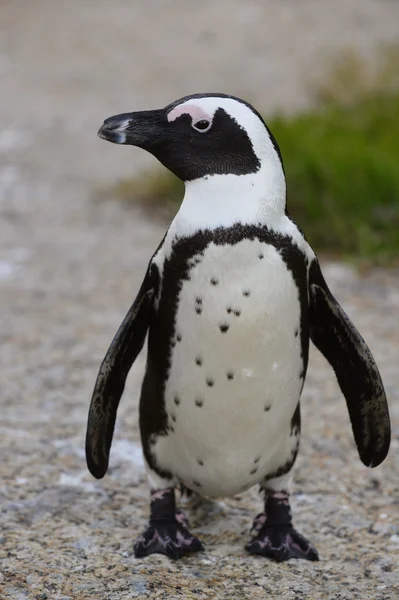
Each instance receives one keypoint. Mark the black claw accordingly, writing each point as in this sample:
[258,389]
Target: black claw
[167,537]
[281,543]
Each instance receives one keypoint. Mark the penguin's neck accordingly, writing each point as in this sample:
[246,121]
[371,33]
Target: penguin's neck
[222,200]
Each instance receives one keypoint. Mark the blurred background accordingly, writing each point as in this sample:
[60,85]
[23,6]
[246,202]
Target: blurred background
[79,220]
[66,65]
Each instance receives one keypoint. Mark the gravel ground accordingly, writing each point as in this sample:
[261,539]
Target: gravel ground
[70,265]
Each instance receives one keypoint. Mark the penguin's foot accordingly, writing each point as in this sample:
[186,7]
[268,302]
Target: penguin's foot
[281,543]
[275,535]
[167,532]
[167,537]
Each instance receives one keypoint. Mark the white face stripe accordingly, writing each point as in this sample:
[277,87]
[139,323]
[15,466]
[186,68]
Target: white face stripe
[205,108]
[197,113]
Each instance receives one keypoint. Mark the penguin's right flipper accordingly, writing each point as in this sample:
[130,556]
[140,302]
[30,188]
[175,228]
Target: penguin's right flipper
[112,375]
[339,341]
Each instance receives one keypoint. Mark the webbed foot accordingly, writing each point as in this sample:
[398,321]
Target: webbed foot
[166,537]
[275,535]
[281,543]
[167,532]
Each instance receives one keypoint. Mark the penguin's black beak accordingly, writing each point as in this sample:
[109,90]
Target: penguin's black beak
[136,129]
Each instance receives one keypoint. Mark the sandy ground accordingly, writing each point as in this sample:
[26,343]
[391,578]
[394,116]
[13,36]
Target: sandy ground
[70,265]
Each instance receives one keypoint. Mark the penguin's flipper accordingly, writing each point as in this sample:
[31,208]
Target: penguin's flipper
[111,378]
[339,341]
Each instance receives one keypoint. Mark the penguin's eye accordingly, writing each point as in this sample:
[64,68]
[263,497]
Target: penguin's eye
[202,126]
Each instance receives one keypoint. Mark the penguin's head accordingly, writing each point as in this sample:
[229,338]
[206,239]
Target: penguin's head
[199,136]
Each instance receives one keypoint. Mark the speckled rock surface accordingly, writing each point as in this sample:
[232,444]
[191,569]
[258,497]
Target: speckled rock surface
[71,264]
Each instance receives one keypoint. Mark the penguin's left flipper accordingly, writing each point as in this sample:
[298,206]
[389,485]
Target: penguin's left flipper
[338,340]
[111,378]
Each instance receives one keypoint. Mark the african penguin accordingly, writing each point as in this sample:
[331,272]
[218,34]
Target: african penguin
[230,300]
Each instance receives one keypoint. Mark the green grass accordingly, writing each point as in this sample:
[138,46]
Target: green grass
[342,168]
[341,161]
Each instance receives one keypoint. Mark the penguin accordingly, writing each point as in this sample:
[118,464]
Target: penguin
[230,300]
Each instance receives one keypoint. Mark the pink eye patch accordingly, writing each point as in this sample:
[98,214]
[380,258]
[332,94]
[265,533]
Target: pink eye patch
[196,113]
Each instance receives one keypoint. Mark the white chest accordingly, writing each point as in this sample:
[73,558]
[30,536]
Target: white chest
[234,380]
